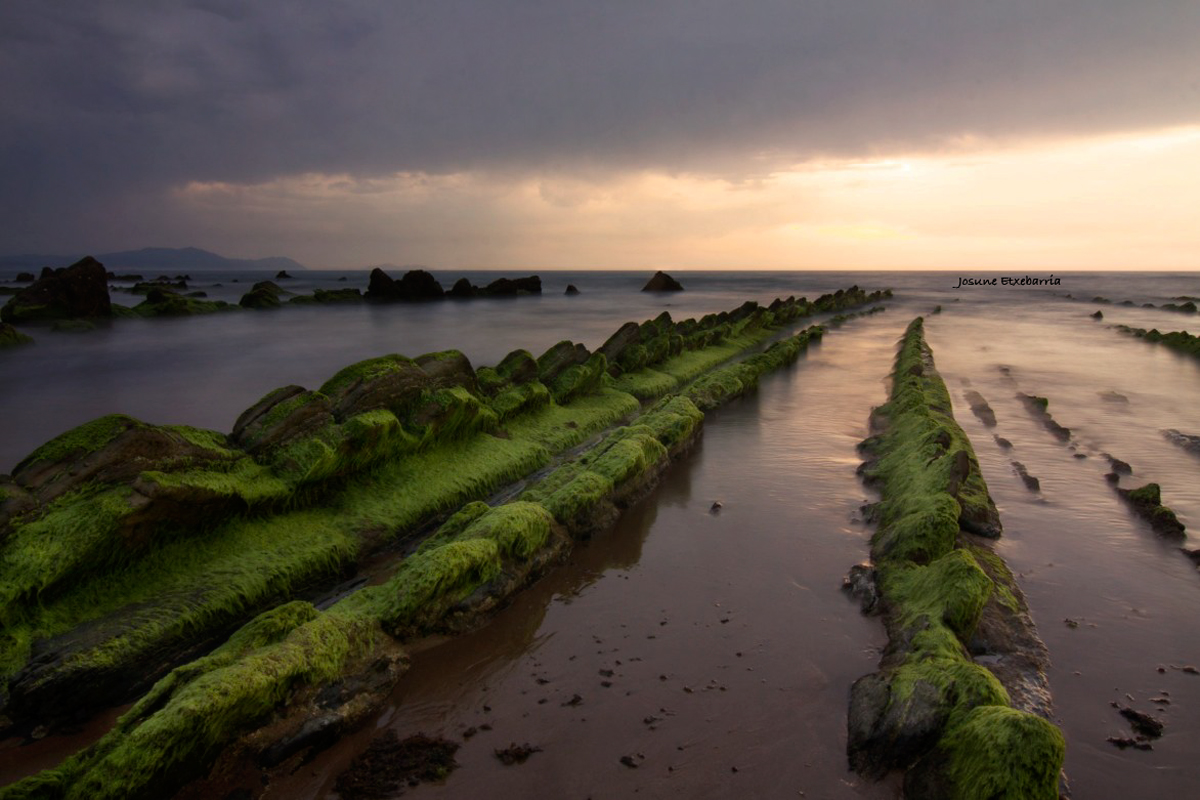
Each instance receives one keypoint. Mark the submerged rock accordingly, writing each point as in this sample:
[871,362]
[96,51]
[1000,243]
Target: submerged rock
[1146,501]
[662,282]
[980,408]
[1031,483]
[74,292]
[1186,441]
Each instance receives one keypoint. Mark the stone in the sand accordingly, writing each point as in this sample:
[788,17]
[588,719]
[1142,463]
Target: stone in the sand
[80,290]
[662,282]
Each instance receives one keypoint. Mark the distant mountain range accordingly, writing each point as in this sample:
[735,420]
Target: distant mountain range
[166,259]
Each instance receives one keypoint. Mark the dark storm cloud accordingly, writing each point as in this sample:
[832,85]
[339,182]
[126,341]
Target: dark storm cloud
[108,102]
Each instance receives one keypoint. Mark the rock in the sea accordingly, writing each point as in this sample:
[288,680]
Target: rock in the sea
[1031,483]
[1098,315]
[1147,503]
[514,286]
[571,289]
[25,277]
[11,337]
[77,291]
[662,282]
[264,294]
[1184,440]
[417,284]
[282,275]
[980,408]
[463,288]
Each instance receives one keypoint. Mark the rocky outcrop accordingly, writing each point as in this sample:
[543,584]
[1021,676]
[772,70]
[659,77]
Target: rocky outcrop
[662,282]
[264,294]
[282,275]
[571,289]
[960,701]
[25,277]
[417,284]
[77,291]
[166,303]
[1146,502]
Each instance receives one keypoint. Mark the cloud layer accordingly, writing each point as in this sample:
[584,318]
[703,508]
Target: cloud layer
[113,110]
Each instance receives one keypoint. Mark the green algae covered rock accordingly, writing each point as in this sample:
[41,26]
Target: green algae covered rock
[994,753]
[931,709]
[11,337]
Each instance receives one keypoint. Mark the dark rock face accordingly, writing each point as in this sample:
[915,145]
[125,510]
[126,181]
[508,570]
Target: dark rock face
[80,290]
[514,286]
[25,277]
[463,288]
[662,282]
[282,275]
[448,368]
[571,289]
[416,284]
[559,358]
[883,735]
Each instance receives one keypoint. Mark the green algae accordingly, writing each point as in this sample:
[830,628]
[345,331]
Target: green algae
[1181,341]
[953,590]
[363,371]
[11,337]
[170,735]
[935,591]
[999,753]
[86,438]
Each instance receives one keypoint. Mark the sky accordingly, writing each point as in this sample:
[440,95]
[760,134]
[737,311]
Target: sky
[623,134]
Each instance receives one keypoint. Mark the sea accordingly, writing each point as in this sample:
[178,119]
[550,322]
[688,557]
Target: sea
[713,651]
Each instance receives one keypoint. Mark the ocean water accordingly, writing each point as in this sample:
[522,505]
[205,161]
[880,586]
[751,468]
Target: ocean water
[729,629]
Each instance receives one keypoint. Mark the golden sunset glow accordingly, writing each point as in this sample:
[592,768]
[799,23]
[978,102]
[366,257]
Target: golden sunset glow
[1100,203]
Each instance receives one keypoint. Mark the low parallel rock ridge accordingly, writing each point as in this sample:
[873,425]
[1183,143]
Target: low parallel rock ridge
[960,701]
[215,578]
